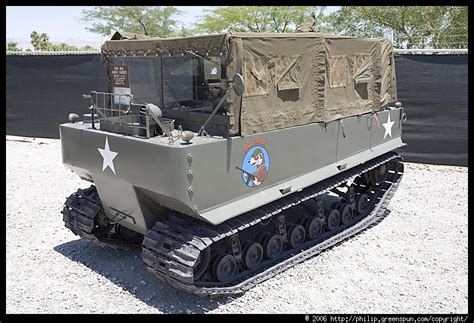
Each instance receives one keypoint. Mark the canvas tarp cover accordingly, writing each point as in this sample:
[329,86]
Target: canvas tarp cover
[302,78]
[203,45]
[290,79]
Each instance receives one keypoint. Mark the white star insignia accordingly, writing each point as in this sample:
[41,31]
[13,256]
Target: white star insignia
[108,156]
[388,127]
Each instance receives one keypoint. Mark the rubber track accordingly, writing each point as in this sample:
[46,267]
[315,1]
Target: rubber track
[171,248]
[79,213]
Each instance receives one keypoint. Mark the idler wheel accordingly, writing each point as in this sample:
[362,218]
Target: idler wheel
[202,263]
[252,254]
[346,213]
[313,227]
[272,245]
[296,235]
[224,267]
[362,203]
[128,235]
[333,219]
[102,226]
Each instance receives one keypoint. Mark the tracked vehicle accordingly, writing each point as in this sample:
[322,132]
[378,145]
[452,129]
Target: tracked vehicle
[228,158]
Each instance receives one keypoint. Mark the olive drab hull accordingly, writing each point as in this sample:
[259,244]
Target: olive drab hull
[203,179]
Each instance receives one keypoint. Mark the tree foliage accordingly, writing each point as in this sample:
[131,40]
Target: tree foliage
[63,47]
[39,41]
[12,46]
[412,27]
[257,19]
[455,33]
[152,21]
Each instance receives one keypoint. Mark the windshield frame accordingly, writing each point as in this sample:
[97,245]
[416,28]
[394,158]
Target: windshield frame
[190,118]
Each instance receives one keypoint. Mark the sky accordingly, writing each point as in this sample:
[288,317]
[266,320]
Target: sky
[62,23]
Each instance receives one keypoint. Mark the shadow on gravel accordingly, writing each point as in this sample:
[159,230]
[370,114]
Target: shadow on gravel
[126,269]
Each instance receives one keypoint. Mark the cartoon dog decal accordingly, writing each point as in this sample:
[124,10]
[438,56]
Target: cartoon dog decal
[258,161]
[255,166]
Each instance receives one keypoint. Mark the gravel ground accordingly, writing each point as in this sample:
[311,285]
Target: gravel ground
[414,261]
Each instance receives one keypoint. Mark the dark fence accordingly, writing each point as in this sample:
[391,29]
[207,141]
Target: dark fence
[43,90]
[433,90]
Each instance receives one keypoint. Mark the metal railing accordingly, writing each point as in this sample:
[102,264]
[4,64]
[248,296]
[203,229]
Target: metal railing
[117,113]
[112,105]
